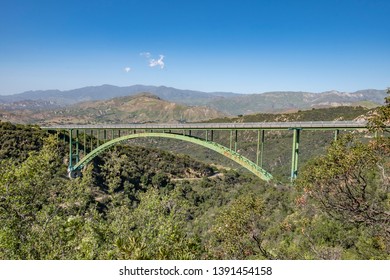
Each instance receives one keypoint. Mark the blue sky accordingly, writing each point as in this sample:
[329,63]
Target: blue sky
[244,46]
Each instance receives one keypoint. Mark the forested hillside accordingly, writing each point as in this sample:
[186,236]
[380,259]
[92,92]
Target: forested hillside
[142,203]
[340,113]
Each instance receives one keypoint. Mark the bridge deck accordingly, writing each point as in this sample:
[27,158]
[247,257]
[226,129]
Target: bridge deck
[315,125]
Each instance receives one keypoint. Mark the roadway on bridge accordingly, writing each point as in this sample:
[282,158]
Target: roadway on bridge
[225,126]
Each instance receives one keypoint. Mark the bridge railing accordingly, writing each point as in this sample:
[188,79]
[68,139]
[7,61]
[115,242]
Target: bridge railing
[249,125]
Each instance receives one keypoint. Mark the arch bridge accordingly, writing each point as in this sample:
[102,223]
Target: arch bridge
[201,134]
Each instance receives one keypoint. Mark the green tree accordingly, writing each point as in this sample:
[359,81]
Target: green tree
[155,229]
[26,190]
[380,119]
[44,215]
[350,184]
[237,231]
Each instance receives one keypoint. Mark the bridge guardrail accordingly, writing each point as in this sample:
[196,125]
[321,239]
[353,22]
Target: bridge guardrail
[222,126]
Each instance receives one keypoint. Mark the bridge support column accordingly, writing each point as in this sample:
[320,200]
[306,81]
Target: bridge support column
[85,142]
[231,139]
[260,148]
[235,141]
[295,153]
[70,166]
[77,146]
[90,138]
[336,134]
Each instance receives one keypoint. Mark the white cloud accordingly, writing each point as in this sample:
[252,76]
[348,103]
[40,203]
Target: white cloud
[152,61]
[157,62]
[127,69]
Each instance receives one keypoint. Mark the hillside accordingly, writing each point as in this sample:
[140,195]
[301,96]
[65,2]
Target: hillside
[142,203]
[272,102]
[140,108]
[341,113]
[227,102]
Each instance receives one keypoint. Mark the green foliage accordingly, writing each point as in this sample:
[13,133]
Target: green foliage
[16,141]
[138,168]
[350,184]
[237,230]
[322,114]
[43,214]
[380,119]
[158,225]
[142,203]
[25,192]
[345,182]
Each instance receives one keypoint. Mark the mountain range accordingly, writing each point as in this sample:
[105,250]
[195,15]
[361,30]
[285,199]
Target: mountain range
[103,92]
[139,108]
[226,102]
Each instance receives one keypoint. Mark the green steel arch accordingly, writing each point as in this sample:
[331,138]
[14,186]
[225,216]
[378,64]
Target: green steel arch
[243,161]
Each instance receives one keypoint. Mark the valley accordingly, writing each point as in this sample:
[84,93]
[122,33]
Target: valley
[169,199]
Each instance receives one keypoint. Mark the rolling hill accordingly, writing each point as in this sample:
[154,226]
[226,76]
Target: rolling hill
[140,108]
[271,102]
[227,102]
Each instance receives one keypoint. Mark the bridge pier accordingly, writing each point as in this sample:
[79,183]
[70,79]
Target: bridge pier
[72,174]
[235,140]
[295,153]
[70,165]
[260,147]
[336,134]
[77,146]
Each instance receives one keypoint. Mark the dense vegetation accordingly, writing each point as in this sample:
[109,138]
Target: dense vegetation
[139,203]
[324,114]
